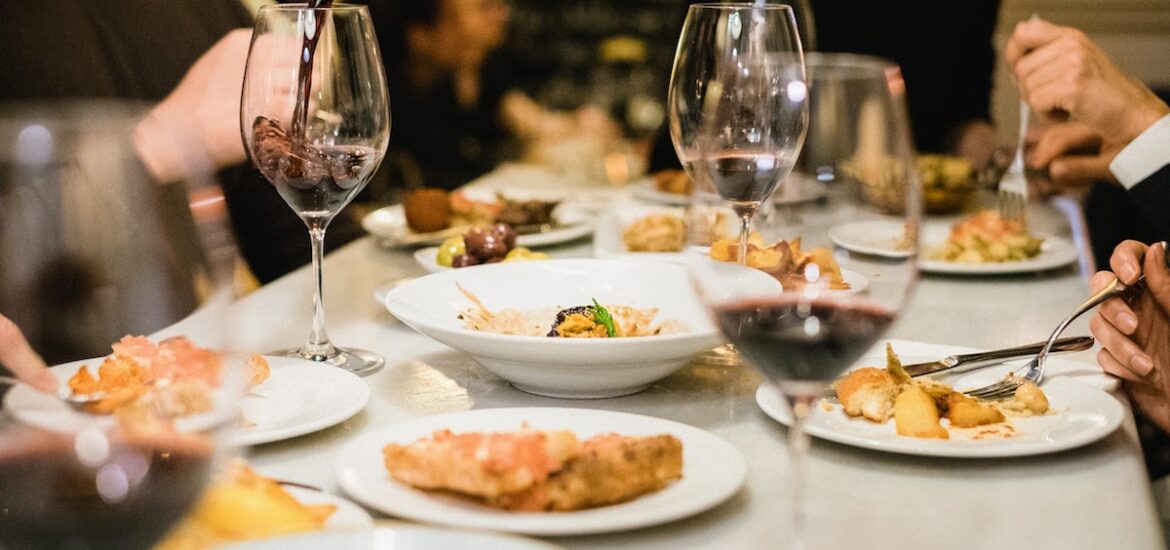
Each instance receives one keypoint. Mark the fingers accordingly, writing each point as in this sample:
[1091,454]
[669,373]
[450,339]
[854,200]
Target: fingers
[1127,260]
[1039,66]
[1120,356]
[1114,367]
[19,357]
[1157,275]
[1029,35]
[1062,139]
[1077,171]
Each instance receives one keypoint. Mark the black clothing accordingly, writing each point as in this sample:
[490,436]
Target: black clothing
[1114,215]
[140,49]
[1152,198]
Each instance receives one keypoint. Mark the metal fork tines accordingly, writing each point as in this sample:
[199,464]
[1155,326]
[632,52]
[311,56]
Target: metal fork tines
[1013,188]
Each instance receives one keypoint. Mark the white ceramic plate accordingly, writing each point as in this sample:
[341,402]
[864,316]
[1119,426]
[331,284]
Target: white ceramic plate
[1085,413]
[299,397]
[713,470]
[878,237]
[796,189]
[389,225]
[568,367]
[396,537]
[347,516]
[427,258]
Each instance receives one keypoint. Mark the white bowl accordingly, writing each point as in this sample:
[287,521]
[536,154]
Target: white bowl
[563,367]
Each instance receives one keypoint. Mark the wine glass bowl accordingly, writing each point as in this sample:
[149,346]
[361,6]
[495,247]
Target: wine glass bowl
[315,121]
[737,102]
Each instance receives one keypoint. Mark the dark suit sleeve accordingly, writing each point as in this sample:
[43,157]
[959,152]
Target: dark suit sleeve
[1152,197]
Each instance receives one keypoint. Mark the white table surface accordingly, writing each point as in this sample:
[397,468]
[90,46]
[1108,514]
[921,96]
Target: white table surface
[1095,497]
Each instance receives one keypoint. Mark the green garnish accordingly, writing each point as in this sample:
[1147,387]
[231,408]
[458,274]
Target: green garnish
[602,316]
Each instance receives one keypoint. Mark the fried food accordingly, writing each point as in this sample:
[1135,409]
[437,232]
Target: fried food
[655,233]
[1029,397]
[609,469]
[242,505]
[536,471]
[427,210]
[868,392]
[987,238]
[675,182]
[916,415]
[967,412]
[486,465]
[785,260]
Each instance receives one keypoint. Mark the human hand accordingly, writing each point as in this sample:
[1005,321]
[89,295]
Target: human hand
[1135,336]
[19,357]
[1073,156]
[1059,70]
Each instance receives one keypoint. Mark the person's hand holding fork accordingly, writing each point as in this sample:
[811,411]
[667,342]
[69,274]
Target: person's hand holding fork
[18,356]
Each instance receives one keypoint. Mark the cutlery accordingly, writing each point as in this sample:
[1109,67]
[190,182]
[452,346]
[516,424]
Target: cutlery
[969,361]
[77,401]
[1033,371]
[1013,188]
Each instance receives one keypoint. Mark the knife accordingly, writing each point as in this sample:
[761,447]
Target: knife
[995,357]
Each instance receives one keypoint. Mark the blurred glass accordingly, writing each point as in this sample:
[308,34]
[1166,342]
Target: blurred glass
[91,250]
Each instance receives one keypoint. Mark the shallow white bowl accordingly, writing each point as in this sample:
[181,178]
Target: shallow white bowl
[561,367]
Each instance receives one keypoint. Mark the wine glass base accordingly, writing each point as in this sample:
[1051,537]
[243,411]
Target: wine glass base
[357,361]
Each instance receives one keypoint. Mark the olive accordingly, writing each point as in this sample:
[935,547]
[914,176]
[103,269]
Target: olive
[449,249]
[474,241]
[493,247]
[494,260]
[464,260]
[508,234]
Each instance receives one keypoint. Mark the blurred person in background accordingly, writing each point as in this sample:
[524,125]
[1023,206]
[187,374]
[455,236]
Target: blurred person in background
[455,107]
[1110,137]
[184,53]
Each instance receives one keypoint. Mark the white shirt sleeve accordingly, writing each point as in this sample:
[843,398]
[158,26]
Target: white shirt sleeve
[1146,154]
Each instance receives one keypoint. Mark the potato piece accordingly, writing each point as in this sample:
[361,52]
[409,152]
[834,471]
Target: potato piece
[868,392]
[894,366]
[967,412]
[1032,398]
[916,415]
[764,258]
[724,250]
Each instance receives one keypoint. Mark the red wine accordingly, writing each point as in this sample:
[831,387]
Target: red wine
[745,178]
[305,71]
[793,340]
[126,500]
[316,181]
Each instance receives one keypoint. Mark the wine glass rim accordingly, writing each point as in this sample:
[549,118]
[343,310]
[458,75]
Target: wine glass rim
[304,6]
[847,60]
[736,6]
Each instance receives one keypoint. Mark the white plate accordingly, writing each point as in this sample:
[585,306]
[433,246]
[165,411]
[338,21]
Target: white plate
[347,516]
[796,189]
[427,258]
[713,470]
[878,237]
[1085,413]
[299,397]
[389,224]
[396,537]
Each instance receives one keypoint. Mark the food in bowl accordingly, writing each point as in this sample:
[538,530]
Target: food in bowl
[784,260]
[919,405]
[947,182]
[537,471]
[655,233]
[591,321]
[241,505]
[987,238]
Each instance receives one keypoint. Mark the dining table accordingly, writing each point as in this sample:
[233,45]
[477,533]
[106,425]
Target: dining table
[1094,497]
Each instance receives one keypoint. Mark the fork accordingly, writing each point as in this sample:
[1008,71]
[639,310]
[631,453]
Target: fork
[76,401]
[1013,188]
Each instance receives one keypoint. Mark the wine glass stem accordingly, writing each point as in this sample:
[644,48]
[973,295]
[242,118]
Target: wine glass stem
[318,346]
[798,444]
[745,230]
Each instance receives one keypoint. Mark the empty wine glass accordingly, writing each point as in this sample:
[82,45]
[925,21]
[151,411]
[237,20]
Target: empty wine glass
[92,250]
[316,122]
[737,102]
[828,306]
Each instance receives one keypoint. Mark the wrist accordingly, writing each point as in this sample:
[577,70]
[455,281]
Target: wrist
[168,151]
[1141,117]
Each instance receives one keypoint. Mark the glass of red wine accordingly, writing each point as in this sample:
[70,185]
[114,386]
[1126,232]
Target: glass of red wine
[93,250]
[828,306]
[316,122]
[738,103]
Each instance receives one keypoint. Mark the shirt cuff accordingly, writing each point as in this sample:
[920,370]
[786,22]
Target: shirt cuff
[1143,156]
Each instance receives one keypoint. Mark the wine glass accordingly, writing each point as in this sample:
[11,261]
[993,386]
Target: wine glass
[738,102]
[804,331]
[316,122]
[92,250]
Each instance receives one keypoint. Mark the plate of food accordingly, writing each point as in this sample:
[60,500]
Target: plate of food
[286,397]
[876,408]
[478,245]
[673,188]
[796,269]
[429,216]
[404,536]
[981,244]
[581,328]
[241,504]
[540,471]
